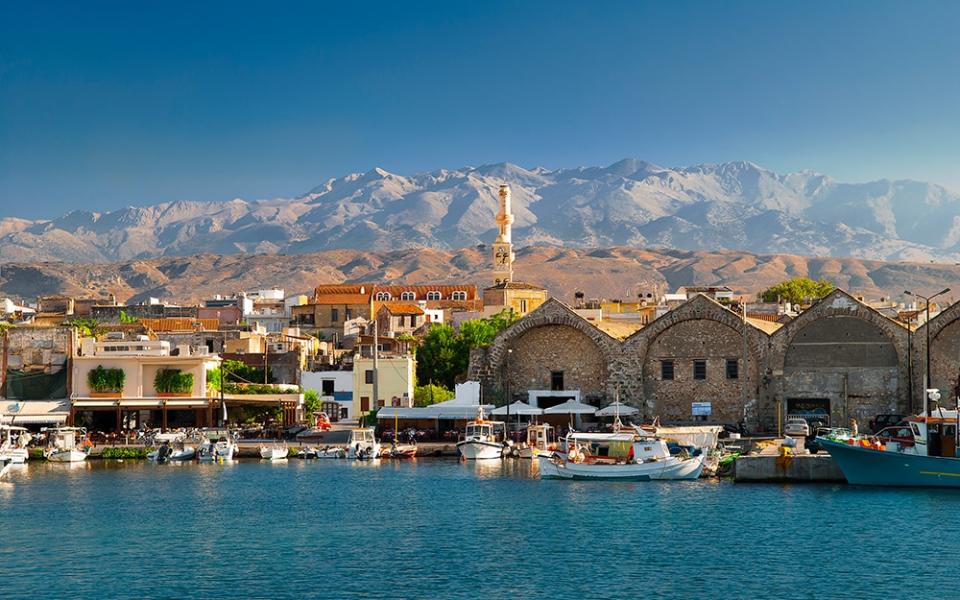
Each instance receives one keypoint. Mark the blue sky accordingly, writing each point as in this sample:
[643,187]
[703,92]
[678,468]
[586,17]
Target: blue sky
[105,104]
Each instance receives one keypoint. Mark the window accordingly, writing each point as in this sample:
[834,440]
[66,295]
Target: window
[733,368]
[408,296]
[556,380]
[523,306]
[364,404]
[348,314]
[334,315]
[368,376]
[699,369]
[434,296]
[381,296]
[327,386]
[459,295]
[666,370]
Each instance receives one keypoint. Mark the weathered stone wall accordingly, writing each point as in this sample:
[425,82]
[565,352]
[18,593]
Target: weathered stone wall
[944,357]
[539,351]
[685,342]
[842,351]
[37,349]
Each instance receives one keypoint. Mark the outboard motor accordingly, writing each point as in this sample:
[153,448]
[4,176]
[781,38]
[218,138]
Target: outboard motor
[163,453]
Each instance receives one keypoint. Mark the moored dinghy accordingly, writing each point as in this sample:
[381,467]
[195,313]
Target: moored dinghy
[274,452]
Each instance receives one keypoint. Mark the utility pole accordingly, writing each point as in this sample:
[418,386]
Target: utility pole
[376,364]
[926,327]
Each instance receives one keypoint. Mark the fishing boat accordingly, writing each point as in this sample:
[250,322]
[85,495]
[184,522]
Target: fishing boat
[920,452]
[273,452]
[13,444]
[541,439]
[483,439]
[363,444]
[621,455]
[62,445]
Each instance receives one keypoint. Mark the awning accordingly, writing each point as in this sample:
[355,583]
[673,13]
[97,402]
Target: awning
[518,408]
[571,407]
[35,412]
[617,407]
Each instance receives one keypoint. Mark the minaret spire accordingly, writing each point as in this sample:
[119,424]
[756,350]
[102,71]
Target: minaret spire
[503,247]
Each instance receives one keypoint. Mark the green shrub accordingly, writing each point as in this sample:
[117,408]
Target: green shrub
[173,381]
[125,452]
[106,380]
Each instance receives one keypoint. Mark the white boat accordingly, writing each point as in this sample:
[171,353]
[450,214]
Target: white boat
[621,455]
[183,453]
[273,452]
[541,439]
[363,444]
[330,452]
[224,448]
[483,440]
[62,445]
[5,464]
[172,447]
[13,444]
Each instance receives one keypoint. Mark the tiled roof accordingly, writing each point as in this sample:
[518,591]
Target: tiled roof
[402,308]
[343,288]
[421,290]
[341,299]
[515,285]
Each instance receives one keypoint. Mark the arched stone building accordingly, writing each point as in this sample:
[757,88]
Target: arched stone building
[555,353]
[700,352]
[840,359]
[944,358]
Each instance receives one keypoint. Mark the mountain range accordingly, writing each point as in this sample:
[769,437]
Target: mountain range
[631,203]
[618,272]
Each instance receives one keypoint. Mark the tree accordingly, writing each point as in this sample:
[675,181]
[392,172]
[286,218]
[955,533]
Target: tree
[437,358]
[444,353]
[311,401]
[797,290]
[425,395]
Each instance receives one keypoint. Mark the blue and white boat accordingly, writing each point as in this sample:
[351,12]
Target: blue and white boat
[920,452]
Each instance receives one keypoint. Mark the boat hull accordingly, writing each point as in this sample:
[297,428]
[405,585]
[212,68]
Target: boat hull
[866,466]
[67,456]
[17,456]
[480,450]
[273,453]
[668,469]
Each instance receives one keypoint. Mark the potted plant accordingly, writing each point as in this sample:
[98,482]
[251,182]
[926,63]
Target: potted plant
[173,382]
[106,383]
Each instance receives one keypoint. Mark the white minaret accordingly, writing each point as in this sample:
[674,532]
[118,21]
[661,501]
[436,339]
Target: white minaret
[503,247]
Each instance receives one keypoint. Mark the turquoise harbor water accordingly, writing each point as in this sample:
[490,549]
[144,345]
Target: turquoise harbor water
[444,529]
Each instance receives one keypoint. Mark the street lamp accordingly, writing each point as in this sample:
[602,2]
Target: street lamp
[926,326]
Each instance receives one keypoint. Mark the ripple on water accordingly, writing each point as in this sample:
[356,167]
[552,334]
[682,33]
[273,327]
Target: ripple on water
[439,528]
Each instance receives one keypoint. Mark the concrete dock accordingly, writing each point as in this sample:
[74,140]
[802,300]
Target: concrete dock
[798,468]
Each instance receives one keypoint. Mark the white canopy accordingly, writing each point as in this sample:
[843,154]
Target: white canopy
[571,407]
[441,410]
[518,408]
[617,407]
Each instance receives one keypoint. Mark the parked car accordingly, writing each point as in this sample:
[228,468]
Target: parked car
[883,421]
[796,427]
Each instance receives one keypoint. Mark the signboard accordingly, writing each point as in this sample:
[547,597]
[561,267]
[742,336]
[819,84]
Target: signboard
[701,409]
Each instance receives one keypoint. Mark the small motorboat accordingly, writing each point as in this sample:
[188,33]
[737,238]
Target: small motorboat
[13,444]
[161,454]
[330,452]
[224,448]
[363,444]
[400,451]
[307,452]
[483,439]
[63,448]
[183,453]
[274,452]
[541,440]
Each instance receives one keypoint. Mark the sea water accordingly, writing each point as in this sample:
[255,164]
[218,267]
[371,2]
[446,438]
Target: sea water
[436,528]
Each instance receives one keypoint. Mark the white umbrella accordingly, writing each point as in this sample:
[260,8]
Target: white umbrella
[617,407]
[571,407]
[518,408]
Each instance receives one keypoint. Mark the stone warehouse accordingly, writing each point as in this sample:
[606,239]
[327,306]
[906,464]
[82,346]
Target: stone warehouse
[837,361]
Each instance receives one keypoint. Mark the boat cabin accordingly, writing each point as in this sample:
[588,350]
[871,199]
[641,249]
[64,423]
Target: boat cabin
[64,438]
[541,437]
[362,436]
[931,435]
[484,431]
[616,448]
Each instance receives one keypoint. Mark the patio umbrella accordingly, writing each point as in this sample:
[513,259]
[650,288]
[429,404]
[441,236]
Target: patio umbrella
[617,407]
[571,407]
[518,408]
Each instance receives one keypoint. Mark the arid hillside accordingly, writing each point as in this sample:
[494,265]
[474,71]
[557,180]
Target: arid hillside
[610,273]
